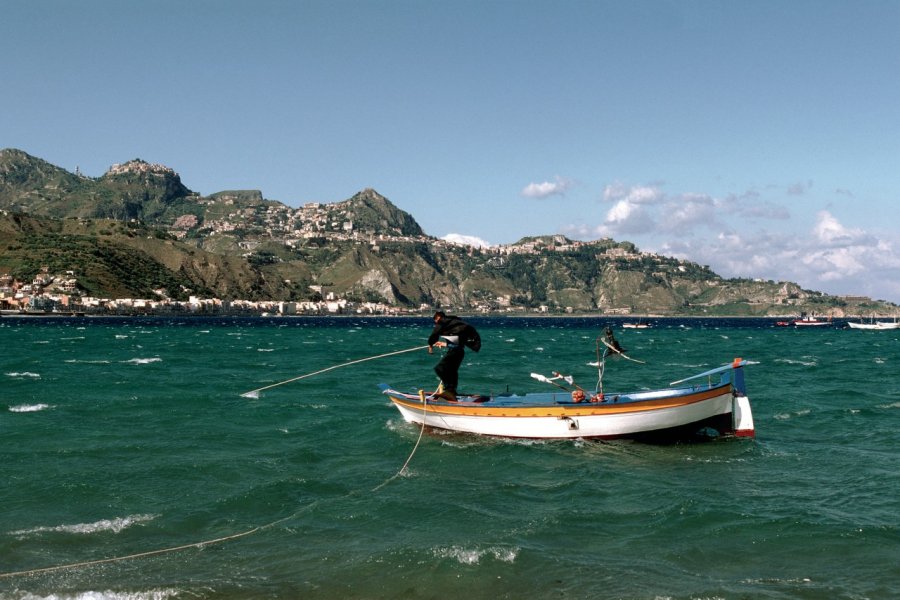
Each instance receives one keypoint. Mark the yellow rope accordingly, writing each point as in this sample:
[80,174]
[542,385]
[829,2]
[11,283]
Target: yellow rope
[403,468]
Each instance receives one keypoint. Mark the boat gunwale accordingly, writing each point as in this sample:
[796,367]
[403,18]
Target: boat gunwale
[683,397]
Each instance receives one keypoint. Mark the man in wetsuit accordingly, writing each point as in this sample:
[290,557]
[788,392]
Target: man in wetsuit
[454,334]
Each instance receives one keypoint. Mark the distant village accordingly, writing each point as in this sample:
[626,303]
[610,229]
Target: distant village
[59,293]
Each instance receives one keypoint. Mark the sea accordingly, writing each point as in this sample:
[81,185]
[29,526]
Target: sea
[140,458]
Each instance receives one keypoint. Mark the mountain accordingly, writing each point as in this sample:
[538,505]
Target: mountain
[133,190]
[138,231]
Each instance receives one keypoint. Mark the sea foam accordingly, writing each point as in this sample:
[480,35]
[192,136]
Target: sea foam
[21,408]
[114,525]
[162,594]
[472,556]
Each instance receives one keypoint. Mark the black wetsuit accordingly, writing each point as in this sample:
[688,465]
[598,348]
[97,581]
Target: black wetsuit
[448,368]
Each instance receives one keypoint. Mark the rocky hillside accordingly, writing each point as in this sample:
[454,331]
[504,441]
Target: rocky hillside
[138,231]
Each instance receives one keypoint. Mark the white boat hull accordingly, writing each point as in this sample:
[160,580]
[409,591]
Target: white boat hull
[875,326]
[575,426]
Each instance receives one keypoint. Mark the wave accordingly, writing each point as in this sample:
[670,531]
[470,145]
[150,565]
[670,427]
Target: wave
[469,556]
[786,416]
[88,362]
[142,361]
[162,594]
[28,408]
[24,375]
[115,525]
[805,363]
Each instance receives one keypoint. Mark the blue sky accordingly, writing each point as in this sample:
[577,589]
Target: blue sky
[759,138]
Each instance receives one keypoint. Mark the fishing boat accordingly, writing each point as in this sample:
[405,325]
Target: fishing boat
[805,321]
[714,405]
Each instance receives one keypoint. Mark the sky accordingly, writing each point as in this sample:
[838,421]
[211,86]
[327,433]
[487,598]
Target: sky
[759,138]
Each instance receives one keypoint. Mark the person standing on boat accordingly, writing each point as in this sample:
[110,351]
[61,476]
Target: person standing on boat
[452,333]
[612,344]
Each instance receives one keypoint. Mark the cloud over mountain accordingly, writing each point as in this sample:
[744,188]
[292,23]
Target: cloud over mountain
[545,189]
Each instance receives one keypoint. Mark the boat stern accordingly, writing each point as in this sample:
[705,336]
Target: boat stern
[742,417]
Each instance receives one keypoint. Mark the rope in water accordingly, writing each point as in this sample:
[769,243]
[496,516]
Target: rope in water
[227,538]
[255,393]
[234,536]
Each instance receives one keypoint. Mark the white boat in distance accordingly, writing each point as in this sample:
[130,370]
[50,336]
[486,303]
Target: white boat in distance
[875,325]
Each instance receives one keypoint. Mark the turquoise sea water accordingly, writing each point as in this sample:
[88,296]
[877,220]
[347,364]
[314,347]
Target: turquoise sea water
[122,439]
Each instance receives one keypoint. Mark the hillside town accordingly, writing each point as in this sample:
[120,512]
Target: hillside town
[49,294]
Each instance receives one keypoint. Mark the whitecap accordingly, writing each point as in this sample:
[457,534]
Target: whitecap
[24,375]
[161,594]
[470,556]
[142,361]
[805,363]
[28,408]
[119,336]
[88,362]
[786,416]
[115,525]
[265,349]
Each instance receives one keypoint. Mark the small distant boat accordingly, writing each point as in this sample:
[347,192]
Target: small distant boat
[875,325]
[713,408]
[638,325]
[805,321]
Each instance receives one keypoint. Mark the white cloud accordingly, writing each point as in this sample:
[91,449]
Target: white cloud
[558,187]
[640,194]
[689,211]
[466,240]
[827,256]
[829,231]
[632,210]
[626,217]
